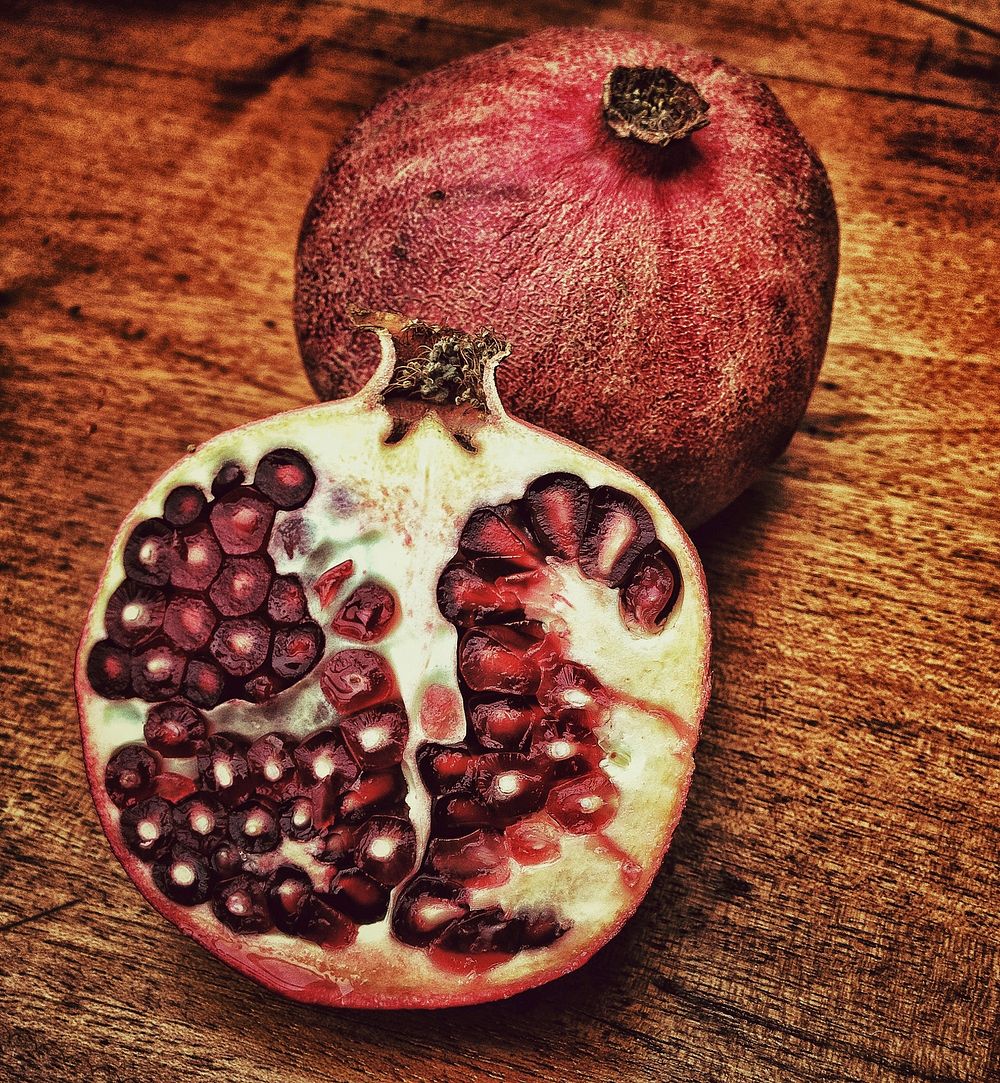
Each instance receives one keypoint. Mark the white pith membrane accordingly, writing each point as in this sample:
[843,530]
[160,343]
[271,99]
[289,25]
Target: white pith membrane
[396,512]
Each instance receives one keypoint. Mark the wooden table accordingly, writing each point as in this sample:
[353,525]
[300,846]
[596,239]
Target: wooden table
[829,908]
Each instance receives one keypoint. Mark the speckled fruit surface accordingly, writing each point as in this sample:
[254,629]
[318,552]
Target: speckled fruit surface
[669,305]
[392,701]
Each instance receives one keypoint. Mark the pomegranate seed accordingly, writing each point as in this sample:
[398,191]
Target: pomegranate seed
[289,892]
[504,723]
[326,926]
[321,758]
[354,679]
[271,760]
[173,787]
[204,684]
[109,670]
[495,659]
[467,857]
[286,603]
[175,729]
[189,622]
[376,737]
[226,860]
[241,905]
[566,747]
[541,928]
[482,932]
[533,842]
[242,521]
[499,533]
[572,694]
[328,585]
[134,614]
[366,615]
[148,828]
[372,793]
[285,477]
[358,896]
[149,553]
[241,585]
[200,821]
[584,804]
[557,507]
[296,650]
[295,818]
[386,849]
[223,768]
[254,827]
[230,476]
[240,645]
[651,588]
[184,877]
[261,688]
[184,505]
[455,814]
[466,598]
[197,560]
[425,907]
[618,529]
[336,847]
[444,767]
[157,673]
[510,785]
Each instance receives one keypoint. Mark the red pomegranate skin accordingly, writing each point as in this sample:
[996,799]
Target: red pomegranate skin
[668,307]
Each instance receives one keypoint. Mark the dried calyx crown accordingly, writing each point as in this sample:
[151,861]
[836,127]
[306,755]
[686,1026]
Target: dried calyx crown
[652,105]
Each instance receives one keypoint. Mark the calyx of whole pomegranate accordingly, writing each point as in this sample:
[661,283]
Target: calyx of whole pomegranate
[664,254]
[391,702]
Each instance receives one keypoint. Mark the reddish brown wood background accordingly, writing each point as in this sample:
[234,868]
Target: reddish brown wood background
[829,910]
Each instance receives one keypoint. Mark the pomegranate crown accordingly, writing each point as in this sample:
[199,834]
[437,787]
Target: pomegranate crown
[652,105]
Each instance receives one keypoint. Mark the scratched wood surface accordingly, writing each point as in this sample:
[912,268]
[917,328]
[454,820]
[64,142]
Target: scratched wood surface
[829,910]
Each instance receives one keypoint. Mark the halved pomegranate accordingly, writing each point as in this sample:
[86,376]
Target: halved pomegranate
[408,718]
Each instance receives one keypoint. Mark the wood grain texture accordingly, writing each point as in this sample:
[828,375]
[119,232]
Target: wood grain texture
[829,910]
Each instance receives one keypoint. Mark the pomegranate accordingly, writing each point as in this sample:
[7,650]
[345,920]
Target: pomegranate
[335,762]
[642,219]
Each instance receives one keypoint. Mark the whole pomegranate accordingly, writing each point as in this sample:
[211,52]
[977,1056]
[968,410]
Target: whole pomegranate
[391,702]
[643,220]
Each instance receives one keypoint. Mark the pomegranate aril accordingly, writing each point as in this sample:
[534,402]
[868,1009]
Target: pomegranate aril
[566,748]
[557,506]
[223,768]
[134,614]
[230,476]
[510,785]
[496,659]
[240,645]
[254,827]
[183,505]
[157,673]
[296,650]
[504,722]
[285,477]
[189,622]
[372,793]
[175,729]
[241,905]
[271,759]
[204,683]
[366,615]
[583,804]
[533,841]
[183,876]
[499,533]
[149,553]
[328,585]
[444,767]
[335,846]
[540,928]
[425,907]
[456,814]
[465,597]
[483,932]
[480,852]
[241,520]
[573,695]
[324,925]
[173,787]
[296,820]
[286,602]
[651,588]
[618,529]
[261,688]
[148,828]
[376,737]
[197,559]
[354,679]
[109,670]
[321,758]
[241,586]
[200,821]
[225,860]
[386,849]
[358,896]
[289,892]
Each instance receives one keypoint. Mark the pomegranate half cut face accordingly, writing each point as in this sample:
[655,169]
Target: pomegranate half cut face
[391,702]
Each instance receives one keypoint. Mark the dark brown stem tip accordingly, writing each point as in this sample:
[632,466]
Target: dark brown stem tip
[652,105]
